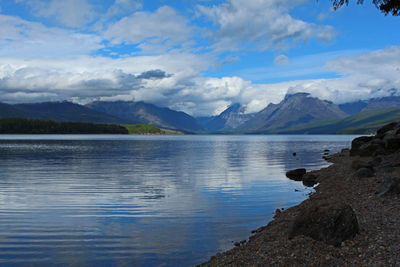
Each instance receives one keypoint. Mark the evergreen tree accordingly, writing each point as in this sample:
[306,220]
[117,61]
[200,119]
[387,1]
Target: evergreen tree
[386,6]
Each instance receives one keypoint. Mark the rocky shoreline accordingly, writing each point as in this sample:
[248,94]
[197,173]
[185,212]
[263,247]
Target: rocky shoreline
[352,219]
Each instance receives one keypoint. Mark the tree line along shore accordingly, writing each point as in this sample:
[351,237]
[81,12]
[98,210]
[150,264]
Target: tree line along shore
[34,126]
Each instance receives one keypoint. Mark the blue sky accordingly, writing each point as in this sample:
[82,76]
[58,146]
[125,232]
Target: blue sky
[195,56]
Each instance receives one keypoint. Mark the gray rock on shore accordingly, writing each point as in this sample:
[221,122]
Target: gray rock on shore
[386,141]
[329,222]
[296,175]
[363,173]
[309,179]
[389,186]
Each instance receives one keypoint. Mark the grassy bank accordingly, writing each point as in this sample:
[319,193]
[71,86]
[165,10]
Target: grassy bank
[147,129]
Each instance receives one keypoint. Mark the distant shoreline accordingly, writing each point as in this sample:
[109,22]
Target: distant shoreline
[34,126]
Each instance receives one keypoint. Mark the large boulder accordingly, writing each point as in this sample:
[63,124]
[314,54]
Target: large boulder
[389,186]
[370,149]
[357,143]
[392,143]
[358,164]
[388,127]
[296,174]
[309,179]
[331,223]
[363,173]
[376,161]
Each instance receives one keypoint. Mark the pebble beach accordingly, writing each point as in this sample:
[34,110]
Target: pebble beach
[353,215]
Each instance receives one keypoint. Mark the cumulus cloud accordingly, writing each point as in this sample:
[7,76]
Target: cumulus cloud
[71,13]
[369,75]
[123,7]
[153,74]
[164,26]
[175,81]
[147,78]
[260,24]
[24,39]
[40,63]
[281,60]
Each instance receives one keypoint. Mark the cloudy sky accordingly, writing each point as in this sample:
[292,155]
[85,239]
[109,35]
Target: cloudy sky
[195,56]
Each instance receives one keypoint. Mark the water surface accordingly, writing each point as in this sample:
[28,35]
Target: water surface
[144,200]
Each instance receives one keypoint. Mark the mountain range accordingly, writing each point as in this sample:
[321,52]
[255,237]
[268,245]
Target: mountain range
[57,111]
[141,112]
[302,113]
[229,120]
[296,113]
[292,110]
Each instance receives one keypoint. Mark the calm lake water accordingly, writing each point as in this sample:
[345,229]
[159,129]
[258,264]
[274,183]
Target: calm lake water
[103,200]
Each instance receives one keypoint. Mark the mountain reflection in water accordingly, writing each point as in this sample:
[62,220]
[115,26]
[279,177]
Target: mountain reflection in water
[144,200]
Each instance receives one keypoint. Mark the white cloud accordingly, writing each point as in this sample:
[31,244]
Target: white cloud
[260,24]
[24,39]
[39,63]
[163,27]
[149,78]
[281,60]
[174,81]
[123,7]
[71,13]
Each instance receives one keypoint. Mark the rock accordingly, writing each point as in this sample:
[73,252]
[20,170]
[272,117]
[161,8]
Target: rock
[331,223]
[376,161]
[377,141]
[296,174]
[389,186]
[277,213]
[391,133]
[358,164]
[237,244]
[385,169]
[357,143]
[379,151]
[326,150]
[386,128]
[310,179]
[392,143]
[363,173]
[369,149]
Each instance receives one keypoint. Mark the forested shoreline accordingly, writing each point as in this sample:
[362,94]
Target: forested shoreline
[31,126]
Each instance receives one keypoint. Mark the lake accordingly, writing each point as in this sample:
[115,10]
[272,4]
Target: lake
[120,200]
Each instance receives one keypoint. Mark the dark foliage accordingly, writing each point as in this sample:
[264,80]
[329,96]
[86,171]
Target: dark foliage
[386,6]
[27,126]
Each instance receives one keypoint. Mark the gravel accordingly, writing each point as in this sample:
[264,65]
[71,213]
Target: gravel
[378,241]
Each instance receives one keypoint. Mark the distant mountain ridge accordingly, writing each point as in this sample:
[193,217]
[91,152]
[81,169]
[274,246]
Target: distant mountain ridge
[302,113]
[141,112]
[364,122]
[293,109]
[57,111]
[103,112]
[230,119]
[296,113]
[9,111]
[370,104]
